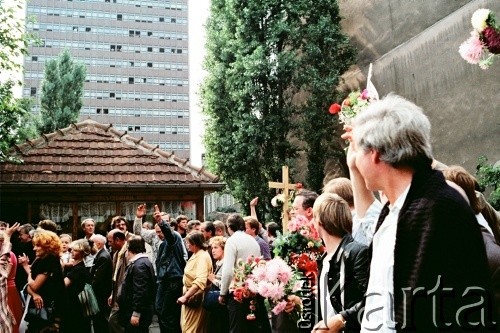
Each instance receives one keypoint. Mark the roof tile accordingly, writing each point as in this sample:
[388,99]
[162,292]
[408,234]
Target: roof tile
[94,153]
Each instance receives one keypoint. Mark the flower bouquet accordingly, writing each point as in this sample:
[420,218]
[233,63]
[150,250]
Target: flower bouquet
[355,102]
[275,280]
[239,285]
[484,42]
[300,247]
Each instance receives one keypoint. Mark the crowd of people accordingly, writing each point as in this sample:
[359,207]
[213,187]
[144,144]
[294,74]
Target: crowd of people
[410,245]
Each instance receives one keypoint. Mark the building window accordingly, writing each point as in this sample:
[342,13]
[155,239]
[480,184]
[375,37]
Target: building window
[162,19]
[131,80]
[33,91]
[137,128]
[150,49]
[150,33]
[162,50]
[131,33]
[150,64]
[34,58]
[106,111]
[98,111]
[119,17]
[87,29]
[112,95]
[172,20]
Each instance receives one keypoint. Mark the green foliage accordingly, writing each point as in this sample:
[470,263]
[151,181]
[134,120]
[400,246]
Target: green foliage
[272,70]
[16,121]
[15,118]
[489,176]
[62,92]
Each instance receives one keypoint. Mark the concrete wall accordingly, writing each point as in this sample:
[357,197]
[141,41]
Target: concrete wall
[413,45]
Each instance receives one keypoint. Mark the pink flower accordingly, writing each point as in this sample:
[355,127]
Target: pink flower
[471,50]
[364,94]
[280,307]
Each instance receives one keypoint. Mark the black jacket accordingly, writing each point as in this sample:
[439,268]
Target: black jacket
[102,275]
[356,264]
[438,245]
[138,291]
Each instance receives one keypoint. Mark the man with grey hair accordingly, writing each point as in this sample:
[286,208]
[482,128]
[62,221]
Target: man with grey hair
[101,276]
[419,256]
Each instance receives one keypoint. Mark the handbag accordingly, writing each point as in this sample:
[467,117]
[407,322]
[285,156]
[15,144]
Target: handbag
[196,300]
[89,301]
[211,301]
[41,316]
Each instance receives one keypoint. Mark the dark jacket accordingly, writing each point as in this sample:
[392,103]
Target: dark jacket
[102,275]
[138,291]
[356,264]
[438,245]
[170,261]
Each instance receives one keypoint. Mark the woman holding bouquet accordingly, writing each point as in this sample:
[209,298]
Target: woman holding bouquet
[339,298]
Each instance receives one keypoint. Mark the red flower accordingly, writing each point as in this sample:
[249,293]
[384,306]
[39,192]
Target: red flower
[334,108]
[492,40]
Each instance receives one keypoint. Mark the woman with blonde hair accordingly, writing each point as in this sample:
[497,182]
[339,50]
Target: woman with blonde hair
[196,272]
[45,282]
[218,320]
[75,277]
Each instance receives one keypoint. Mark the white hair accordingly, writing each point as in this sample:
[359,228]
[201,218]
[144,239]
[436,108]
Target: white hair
[397,129]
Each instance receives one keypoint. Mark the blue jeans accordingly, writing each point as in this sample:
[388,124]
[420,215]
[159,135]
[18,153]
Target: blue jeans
[169,312]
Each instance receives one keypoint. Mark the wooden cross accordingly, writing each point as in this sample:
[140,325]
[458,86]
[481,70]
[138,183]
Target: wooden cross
[286,187]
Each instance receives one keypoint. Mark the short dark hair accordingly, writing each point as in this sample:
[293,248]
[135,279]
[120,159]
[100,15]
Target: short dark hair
[48,225]
[118,235]
[197,239]
[174,224]
[181,217]
[26,228]
[235,222]
[309,198]
[136,244]
[209,226]
[272,228]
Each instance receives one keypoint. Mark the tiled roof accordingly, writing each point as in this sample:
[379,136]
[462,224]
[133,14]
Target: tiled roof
[92,153]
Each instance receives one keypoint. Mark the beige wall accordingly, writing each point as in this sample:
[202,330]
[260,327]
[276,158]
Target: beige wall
[413,45]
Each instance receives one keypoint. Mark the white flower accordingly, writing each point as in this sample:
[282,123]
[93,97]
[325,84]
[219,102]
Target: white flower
[479,18]
[278,200]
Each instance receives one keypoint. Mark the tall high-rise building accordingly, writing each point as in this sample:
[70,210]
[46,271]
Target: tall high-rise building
[136,54]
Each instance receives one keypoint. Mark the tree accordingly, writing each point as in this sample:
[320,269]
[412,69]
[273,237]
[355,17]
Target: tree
[62,91]
[15,118]
[273,66]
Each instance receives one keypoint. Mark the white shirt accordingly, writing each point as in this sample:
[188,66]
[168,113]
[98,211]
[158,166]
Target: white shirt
[324,295]
[379,307]
[363,228]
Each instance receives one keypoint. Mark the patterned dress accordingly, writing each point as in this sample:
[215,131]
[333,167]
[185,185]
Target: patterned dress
[13,298]
[7,320]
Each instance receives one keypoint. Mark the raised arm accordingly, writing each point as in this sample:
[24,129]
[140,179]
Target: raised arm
[363,197]
[137,228]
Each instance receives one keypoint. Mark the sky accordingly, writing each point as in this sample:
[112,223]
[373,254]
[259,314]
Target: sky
[198,11]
